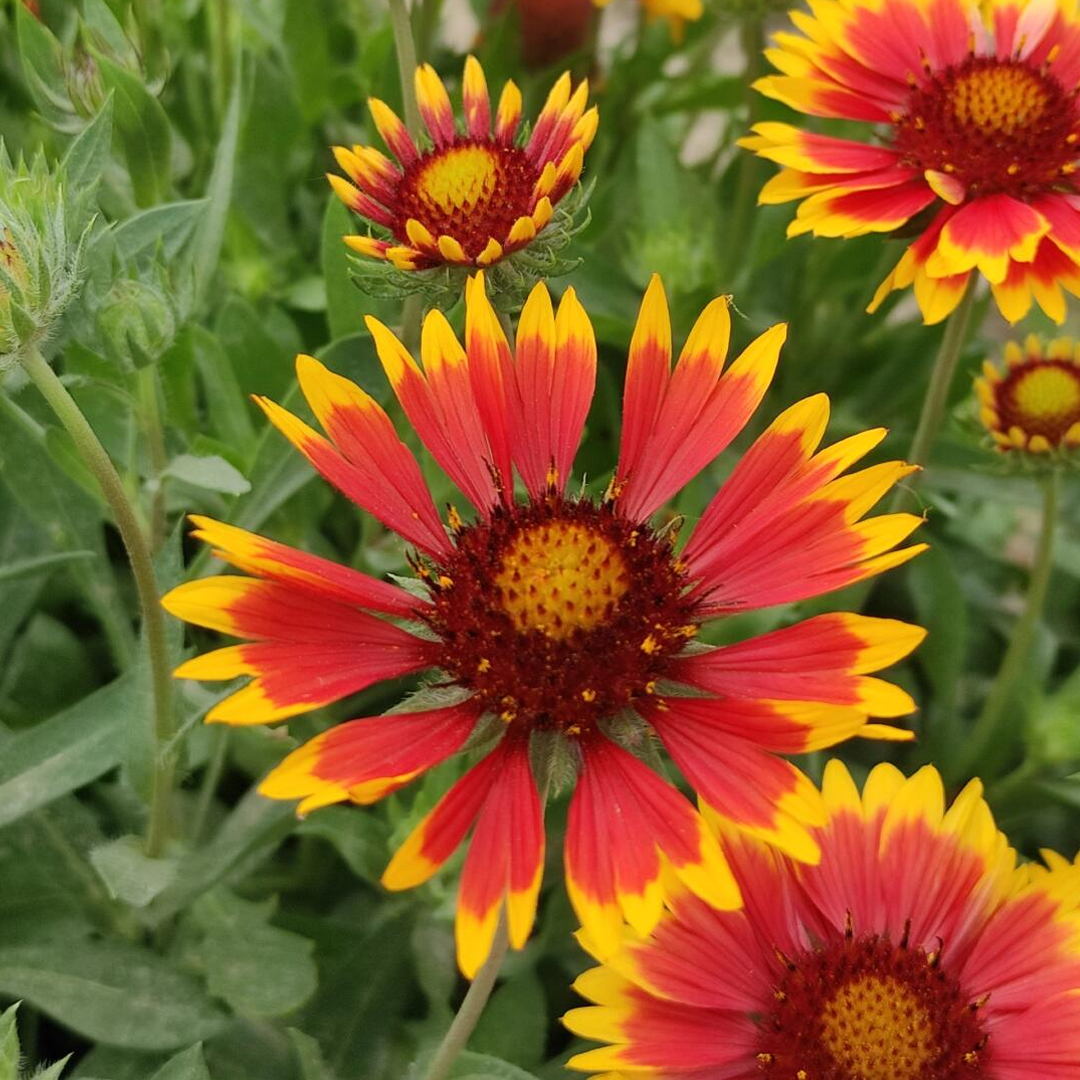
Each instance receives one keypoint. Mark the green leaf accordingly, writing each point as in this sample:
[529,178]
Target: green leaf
[250,832]
[69,518]
[515,1022]
[360,839]
[39,564]
[112,993]
[210,234]
[230,416]
[53,1071]
[43,68]
[187,1065]
[85,158]
[263,364]
[472,1066]
[349,1015]
[171,226]
[213,473]
[10,1052]
[306,39]
[259,970]
[942,609]
[103,24]
[144,132]
[345,304]
[310,1057]
[660,178]
[64,752]
[128,874]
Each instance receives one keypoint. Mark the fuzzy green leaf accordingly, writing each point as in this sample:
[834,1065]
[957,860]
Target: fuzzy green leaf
[128,874]
[64,752]
[85,158]
[10,1051]
[258,969]
[187,1065]
[112,993]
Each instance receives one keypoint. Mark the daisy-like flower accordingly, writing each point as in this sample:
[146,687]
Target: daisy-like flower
[915,950]
[677,12]
[474,198]
[564,617]
[977,112]
[1034,404]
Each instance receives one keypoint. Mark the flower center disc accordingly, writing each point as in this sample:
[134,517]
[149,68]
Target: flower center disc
[559,576]
[558,614]
[471,191]
[1041,397]
[876,1029]
[865,1009]
[998,126]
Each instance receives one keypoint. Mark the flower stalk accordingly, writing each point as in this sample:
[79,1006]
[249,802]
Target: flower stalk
[937,393]
[987,728]
[135,542]
[407,65]
[472,1007]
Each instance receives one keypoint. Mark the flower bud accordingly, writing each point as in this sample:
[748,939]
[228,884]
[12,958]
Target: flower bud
[41,245]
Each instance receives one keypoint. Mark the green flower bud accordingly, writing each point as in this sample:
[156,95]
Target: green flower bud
[42,235]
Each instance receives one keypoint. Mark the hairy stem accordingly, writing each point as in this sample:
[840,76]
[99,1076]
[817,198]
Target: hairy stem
[150,411]
[142,568]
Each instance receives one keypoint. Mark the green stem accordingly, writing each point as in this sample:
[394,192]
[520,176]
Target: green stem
[430,10]
[748,179]
[476,998]
[472,1008]
[407,65]
[507,325]
[937,393]
[155,437]
[987,727]
[412,323]
[142,568]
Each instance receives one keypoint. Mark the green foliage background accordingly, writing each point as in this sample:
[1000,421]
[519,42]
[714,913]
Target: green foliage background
[261,946]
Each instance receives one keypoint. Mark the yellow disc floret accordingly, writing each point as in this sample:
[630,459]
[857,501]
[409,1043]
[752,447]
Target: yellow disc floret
[1044,392]
[876,1029]
[999,99]
[462,177]
[558,576]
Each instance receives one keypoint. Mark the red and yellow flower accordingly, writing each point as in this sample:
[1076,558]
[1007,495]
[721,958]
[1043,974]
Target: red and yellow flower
[915,950]
[474,197]
[1034,404]
[981,125]
[560,617]
[677,12]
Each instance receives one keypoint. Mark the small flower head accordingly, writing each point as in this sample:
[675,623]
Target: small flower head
[976,126]
[677,12]
[568,619]
[473,198]
[1033,406]
[41,244]
[916,949]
